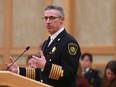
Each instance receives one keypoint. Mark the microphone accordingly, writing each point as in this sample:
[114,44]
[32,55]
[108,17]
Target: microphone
[26,49]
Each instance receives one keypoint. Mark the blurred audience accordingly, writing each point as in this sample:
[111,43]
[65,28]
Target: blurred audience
[109,79]
[30,63]
[80,80]
[90,74]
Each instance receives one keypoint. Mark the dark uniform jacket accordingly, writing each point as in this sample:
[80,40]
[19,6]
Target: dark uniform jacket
[62,58]
[93,78]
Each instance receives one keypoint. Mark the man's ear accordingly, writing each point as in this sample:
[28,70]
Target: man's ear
[62,20]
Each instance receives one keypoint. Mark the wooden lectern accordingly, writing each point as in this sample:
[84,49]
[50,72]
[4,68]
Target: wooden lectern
[9,79]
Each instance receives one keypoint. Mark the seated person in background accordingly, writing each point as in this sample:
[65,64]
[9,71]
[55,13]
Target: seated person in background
[80,80]
[30,63]
[109,79]
[90,74]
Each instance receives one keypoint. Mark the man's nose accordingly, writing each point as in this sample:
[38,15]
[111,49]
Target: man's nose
[48,20]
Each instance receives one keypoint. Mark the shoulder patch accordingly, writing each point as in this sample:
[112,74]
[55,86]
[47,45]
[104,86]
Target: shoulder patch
[72,48]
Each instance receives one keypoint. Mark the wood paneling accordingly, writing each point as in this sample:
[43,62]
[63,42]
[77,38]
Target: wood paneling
[17,51]
[7,28]
[69,7]
[47,2]
[1,51]
[66,8]
[99,50]
[115,31]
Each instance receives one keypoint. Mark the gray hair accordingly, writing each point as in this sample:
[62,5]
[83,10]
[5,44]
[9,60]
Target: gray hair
[56,7]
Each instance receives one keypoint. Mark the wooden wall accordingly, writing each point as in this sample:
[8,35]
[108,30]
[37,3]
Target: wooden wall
[21,25]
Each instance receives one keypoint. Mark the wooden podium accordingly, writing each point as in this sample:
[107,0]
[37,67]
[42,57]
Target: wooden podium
[9,79]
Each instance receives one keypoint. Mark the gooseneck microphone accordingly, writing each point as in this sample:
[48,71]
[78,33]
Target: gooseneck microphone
[26,49]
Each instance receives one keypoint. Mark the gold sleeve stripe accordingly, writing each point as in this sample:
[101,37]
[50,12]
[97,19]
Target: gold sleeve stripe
[34,74]
[53,71]
[50,75]
[30,73]
[62,73]
[56,72]
[26,73]
[31,76]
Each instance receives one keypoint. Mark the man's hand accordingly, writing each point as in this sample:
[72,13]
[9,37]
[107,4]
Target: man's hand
[40,61]
[13,68]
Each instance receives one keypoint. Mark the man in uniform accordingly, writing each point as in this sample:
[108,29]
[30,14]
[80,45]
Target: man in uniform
[58,62]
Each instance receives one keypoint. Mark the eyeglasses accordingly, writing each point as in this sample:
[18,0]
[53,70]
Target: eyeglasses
[50,18]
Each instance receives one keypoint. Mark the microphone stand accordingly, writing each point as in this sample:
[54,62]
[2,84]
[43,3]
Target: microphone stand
[27,48]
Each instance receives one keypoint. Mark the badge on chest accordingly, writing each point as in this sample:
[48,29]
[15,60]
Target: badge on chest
[52,50]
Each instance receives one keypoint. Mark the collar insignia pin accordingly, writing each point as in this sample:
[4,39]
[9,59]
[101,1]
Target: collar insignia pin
[58,39]
[53,49]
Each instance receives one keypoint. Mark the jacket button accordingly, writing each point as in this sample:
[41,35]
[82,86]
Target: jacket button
[41,80]
[50,60]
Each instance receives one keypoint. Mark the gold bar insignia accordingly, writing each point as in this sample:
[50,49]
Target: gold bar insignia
[56,72]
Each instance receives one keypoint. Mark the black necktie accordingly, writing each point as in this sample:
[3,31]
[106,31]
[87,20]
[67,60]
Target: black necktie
[49,39]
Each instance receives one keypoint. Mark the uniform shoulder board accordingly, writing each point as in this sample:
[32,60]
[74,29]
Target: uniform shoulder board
[72,48]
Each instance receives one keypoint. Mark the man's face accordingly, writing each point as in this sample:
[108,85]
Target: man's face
[110,75]
[85,62]
[53,21]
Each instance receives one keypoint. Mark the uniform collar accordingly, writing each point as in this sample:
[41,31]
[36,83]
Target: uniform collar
[53,36]
[59,37]
[87,69]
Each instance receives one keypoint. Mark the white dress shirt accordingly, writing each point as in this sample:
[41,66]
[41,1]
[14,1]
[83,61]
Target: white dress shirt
[53,36]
